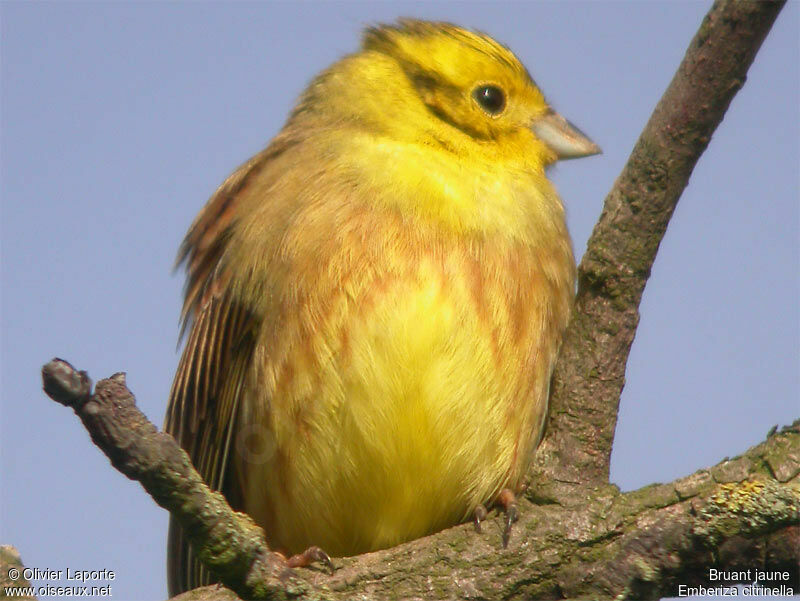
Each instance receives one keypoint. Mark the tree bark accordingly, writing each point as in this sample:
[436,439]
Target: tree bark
[590,374]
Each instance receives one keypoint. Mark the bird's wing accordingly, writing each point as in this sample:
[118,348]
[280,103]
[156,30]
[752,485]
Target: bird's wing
[204,413]
[205,402]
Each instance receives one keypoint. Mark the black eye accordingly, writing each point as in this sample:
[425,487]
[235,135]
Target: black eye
[491,99]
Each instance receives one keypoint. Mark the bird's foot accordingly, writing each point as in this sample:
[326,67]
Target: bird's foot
[310,556]
[508,502]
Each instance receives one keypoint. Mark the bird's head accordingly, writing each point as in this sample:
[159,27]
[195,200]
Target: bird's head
[444,124]
[444,85]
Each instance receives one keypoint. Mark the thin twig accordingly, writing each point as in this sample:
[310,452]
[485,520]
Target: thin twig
[229,543]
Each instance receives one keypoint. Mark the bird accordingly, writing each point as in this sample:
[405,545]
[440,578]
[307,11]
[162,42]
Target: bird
[375,302]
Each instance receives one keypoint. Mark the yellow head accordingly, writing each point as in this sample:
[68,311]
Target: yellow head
[444,125]
[441,85]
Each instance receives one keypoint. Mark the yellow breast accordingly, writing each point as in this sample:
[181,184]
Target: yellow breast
[405,381]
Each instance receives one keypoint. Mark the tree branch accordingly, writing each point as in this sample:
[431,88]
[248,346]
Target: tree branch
[572,541]
[590,374]
[229,543]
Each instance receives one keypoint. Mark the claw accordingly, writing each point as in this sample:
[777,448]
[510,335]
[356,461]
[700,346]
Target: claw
[478,517]
[310,556]
[508,502]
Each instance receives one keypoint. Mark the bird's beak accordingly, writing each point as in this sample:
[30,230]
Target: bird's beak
[563,138]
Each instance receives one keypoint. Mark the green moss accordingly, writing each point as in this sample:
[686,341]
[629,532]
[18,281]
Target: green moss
[782,457]
[747,508]
[654,496]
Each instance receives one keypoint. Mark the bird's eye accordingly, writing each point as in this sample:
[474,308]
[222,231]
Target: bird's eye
[491,98]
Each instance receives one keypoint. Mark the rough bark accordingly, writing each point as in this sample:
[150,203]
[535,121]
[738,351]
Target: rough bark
[612,275]
[578,536]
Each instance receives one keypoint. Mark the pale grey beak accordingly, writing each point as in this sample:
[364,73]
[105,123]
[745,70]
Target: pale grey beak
[563,138]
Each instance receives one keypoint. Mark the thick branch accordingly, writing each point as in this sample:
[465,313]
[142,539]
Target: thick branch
[591,371]
[592,542]
[572,540]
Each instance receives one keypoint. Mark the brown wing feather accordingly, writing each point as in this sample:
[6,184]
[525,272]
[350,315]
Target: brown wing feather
[204,402]
[203,416]
[205,244]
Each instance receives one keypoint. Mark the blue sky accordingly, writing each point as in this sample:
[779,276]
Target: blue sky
[120,119]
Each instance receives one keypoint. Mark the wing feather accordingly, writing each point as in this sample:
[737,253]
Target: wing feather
[204,414]
[204,404]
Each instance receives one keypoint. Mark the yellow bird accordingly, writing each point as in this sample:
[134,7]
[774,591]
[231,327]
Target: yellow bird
[377,299]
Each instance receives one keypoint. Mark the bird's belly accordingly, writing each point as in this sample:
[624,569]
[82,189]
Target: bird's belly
[413,417]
